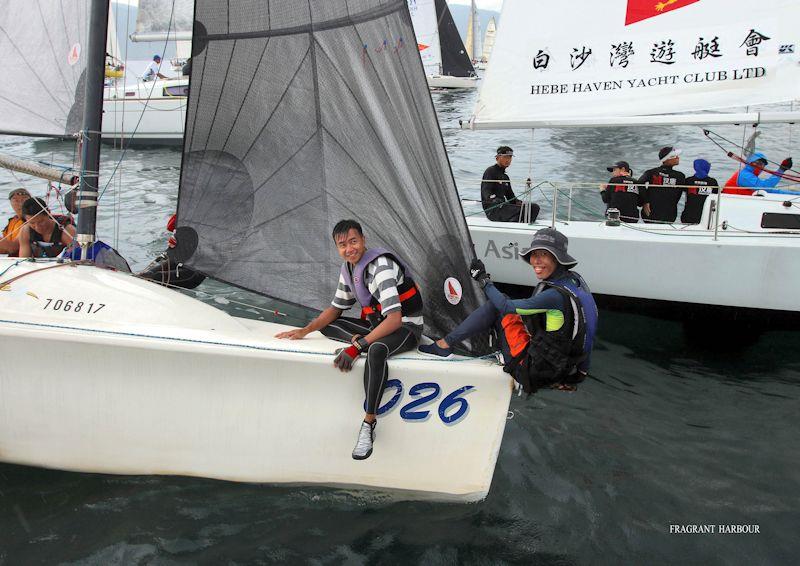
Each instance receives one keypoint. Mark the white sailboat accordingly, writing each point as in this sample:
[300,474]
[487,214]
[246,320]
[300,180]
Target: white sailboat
[152,112]
[129,377]
[473,40]
[690,63]
[443,54]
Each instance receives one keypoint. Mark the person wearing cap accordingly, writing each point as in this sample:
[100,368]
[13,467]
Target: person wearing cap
[699,186]
[10,242]
[43,235]
[663,187]
[547,338]
[153,70]
[497,198]
[622,192]
[747,181]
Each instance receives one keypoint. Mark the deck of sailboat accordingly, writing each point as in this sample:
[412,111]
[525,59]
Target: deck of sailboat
[180,387]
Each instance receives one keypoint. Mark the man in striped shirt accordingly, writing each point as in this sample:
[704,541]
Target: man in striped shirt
[391,318]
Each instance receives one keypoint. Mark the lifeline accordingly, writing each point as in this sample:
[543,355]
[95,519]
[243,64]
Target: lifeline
[714,529]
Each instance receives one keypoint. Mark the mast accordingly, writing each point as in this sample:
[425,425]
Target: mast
[92,124]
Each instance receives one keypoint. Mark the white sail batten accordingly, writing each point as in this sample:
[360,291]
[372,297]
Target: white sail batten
[423,18]
[626,63]
[164,20]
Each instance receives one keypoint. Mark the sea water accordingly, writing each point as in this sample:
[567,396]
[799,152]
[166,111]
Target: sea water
[665,440]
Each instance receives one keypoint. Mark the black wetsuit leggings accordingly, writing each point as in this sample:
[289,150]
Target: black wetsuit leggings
[376,371]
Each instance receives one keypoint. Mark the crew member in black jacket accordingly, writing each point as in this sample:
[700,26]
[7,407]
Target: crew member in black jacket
[622,193]
[700,185]
[664,188]
[498,200]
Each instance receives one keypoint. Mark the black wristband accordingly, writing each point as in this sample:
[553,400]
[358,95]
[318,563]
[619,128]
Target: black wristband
[361,344]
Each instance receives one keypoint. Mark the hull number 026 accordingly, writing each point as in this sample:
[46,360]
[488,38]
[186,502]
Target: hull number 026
[452,408]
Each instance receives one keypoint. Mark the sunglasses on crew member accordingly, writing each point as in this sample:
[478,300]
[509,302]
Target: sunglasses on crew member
[19,193]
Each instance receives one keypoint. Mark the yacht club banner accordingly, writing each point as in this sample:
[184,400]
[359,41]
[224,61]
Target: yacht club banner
[619,58]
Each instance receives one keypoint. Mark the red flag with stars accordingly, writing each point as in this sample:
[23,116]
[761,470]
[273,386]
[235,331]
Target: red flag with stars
[639,10]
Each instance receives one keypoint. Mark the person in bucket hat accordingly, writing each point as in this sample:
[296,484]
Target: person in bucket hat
[546,339]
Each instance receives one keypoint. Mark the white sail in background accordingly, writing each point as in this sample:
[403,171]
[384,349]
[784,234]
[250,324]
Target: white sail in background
[488,40]
[689,56]
[470,35]
[472,42]
[423,18]
[159,20]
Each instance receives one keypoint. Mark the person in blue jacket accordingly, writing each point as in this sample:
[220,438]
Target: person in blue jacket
[547,338]
[747,180]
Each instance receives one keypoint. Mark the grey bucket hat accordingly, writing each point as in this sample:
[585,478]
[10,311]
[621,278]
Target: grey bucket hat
[554,242]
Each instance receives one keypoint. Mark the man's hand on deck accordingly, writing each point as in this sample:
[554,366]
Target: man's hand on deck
[294,334]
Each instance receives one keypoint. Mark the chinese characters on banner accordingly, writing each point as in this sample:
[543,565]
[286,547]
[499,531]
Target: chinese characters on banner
[662,51]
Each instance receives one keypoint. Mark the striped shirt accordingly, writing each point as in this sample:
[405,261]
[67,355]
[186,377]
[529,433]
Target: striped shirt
[382,277]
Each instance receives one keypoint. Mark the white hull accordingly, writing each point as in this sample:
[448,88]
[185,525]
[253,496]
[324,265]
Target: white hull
[446,81]
[155,382]
[743,270]
[145,113]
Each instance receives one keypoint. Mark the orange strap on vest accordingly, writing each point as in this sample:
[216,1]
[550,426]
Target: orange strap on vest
[516,334]
[403,297]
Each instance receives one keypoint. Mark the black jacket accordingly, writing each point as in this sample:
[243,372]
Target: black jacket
[662,192]
[494,193]
[696,195]
[622,193]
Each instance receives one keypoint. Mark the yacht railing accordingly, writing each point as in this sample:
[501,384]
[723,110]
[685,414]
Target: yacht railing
[554,192]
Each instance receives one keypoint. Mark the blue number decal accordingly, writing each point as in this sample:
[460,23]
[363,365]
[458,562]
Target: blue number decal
[398,385]
[407,413]
[451,400]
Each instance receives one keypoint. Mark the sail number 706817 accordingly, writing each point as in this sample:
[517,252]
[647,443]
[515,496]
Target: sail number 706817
[63,305]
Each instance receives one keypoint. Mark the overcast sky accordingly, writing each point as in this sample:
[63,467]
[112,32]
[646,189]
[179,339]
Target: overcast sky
[484,4]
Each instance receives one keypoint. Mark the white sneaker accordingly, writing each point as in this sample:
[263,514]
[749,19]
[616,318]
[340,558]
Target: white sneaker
[366,435]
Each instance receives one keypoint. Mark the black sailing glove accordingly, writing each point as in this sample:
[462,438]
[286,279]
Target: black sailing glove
[786,164]
[478,272]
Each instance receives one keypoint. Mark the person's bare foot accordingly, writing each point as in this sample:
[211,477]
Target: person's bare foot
[442,343]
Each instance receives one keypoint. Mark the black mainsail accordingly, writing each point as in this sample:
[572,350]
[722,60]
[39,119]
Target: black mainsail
[44,47]
[302,114]
[455,61]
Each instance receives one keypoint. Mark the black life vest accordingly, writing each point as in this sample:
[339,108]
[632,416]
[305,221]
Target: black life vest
[553,357]
[56,247]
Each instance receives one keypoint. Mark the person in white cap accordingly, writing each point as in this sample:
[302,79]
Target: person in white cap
[663,186]
[497,198]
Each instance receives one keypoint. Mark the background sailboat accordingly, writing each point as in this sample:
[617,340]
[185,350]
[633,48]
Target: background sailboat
[263,182]
[622,68]
[443,54]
